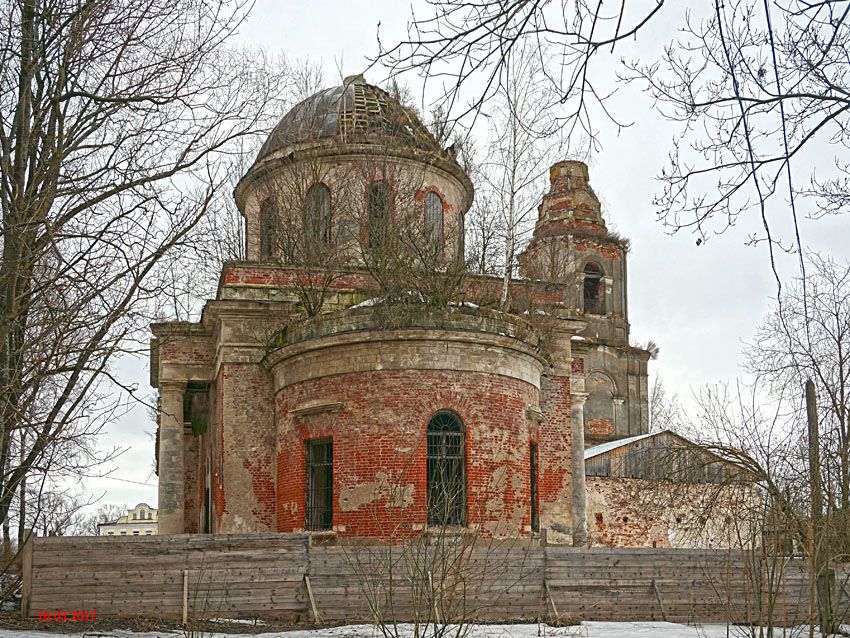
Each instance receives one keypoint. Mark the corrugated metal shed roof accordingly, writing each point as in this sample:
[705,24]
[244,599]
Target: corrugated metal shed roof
[596,450]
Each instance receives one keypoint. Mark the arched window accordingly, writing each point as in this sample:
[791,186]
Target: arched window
[446,472]
[380,212]
[268,230]
[434,221]
[317,214]
[594,292]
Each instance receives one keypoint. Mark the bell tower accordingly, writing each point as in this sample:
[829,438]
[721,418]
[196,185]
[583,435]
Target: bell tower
[572,247]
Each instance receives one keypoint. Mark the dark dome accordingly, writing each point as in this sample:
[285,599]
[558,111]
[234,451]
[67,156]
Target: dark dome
[352,113]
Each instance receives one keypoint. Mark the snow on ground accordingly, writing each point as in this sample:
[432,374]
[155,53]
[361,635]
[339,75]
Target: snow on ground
[585,630]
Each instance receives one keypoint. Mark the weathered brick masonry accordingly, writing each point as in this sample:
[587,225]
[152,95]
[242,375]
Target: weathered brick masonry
[545,373]
[379,448]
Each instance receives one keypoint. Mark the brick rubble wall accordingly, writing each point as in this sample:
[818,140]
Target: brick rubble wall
[623,512]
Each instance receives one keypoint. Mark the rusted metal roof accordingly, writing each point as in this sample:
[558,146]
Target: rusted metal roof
[353,112]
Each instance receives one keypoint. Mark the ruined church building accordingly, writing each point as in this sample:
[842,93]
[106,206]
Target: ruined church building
[307,398]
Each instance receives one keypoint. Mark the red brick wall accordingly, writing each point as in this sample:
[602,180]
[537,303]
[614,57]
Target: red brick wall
[186,349]
[555,453]
[476,286]
[379,448]
[600,428]
[608,250]
[618,517]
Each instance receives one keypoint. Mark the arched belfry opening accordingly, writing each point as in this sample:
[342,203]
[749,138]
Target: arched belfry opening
[594,290]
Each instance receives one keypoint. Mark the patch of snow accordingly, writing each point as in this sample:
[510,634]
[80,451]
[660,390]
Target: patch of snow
[577,338]
[368,303]
[584,630]
[238,621]
[374,301]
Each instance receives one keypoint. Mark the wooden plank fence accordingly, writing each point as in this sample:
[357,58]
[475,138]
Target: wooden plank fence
[676,585]
[267,576]
[242,576]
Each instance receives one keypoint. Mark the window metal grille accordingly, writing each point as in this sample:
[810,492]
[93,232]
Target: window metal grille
[446,471]
[535,514]
[319,485]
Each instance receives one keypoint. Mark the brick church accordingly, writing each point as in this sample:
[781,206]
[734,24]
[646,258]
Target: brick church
[352,379]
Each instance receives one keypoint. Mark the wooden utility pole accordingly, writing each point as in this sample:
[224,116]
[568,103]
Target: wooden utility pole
[819,557]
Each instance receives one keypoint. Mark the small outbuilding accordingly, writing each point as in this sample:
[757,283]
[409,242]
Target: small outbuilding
[662,490]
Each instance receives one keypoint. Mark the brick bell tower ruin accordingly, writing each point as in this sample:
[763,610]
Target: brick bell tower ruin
[302,401]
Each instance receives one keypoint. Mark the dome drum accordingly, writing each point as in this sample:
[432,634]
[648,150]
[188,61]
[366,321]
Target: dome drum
[347,138]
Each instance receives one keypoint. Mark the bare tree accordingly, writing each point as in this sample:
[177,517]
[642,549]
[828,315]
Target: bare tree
[665,411]
[308,232]
[523,143]
[115,124]
[465,43]
[757,88]
[483,231]
[106,513]
[809,338]
[764,440]
[409,260]
[445,575]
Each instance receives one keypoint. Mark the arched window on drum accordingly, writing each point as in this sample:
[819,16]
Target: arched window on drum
[268,231]
[434,221]
[317,214]
[380,213]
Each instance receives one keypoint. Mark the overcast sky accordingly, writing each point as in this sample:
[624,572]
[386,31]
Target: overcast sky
[698,303]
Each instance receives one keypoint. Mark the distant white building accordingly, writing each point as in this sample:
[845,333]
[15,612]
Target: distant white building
[142,520]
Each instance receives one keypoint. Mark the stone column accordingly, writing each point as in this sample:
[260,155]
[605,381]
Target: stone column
[579,484]
[171,464]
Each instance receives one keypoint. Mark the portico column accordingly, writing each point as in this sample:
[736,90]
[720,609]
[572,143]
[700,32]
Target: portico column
[579,486]
[171,467]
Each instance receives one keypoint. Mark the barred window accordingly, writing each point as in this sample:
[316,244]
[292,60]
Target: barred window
[446,471]
[317,213]
[380,212]
[434,221]
[319,485]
